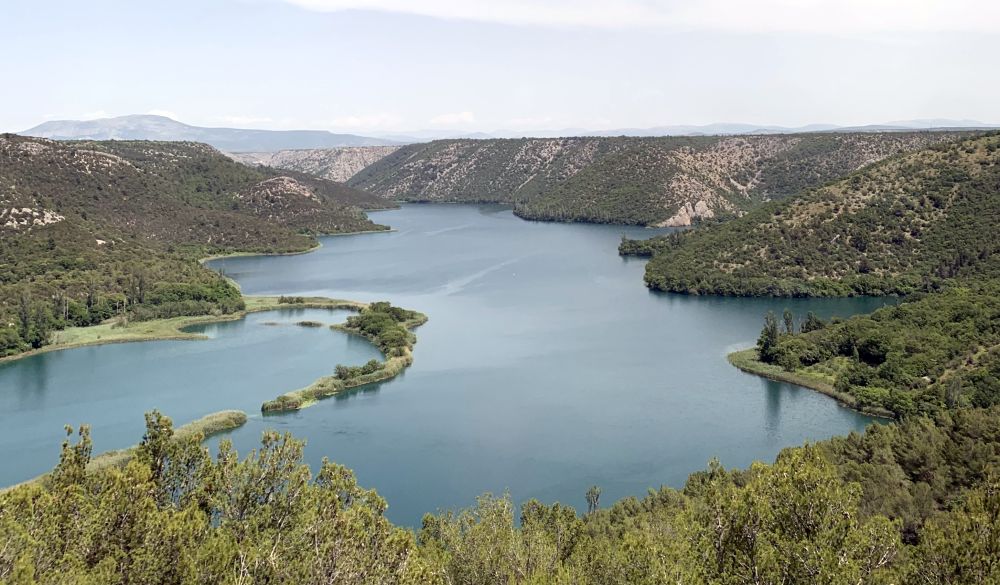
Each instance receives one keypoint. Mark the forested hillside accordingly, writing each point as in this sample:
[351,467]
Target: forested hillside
[672,181]
[90,230]
[916,222]
[912,502]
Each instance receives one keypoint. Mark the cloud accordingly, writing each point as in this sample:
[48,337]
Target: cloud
[453,119]
[804,16]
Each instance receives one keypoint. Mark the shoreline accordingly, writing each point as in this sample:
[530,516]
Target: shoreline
[172,329]
[746,361]
[328,386]
[224,421]
[208,426]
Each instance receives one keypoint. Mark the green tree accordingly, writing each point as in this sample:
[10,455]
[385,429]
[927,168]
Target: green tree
[593,499]
[767,343]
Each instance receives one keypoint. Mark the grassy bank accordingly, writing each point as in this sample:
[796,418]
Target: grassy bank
[747,361]
[206,426]
[124,331]
[389,328]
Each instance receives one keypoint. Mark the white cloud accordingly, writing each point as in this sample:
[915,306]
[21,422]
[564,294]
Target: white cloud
[453,119]
[806,16]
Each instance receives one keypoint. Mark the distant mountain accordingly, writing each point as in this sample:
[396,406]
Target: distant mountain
[148,127]
[716,129]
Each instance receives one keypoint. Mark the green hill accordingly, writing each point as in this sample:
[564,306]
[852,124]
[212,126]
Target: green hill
[915,222]
[644,181]
[90,230]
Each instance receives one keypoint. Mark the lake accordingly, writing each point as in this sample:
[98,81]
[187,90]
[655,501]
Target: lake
[546,367]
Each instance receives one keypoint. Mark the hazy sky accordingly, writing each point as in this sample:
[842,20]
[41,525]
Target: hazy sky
[384,65]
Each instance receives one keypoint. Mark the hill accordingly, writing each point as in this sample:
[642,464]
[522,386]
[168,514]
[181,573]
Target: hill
[149,127]
[914,222]
[645,181]
[91,230]
[335,164]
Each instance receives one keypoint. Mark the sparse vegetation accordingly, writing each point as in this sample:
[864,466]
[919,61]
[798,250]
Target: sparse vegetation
[389,328]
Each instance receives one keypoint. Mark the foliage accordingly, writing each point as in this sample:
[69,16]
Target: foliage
[386,326]
[913,223]
[627,180]
[95,230]
[903,503]
[175,515]
[928,353]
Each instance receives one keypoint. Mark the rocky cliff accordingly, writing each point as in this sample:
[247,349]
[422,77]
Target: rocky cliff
[335,164]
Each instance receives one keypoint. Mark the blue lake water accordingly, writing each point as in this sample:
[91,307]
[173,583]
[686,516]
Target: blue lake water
[546,367]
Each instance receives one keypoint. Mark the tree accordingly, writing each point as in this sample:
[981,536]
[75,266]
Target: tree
[812,323]
[593,499]
[767,343]
[789,321]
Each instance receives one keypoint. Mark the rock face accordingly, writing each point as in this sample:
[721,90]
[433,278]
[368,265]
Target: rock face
[335,164]
[646,181]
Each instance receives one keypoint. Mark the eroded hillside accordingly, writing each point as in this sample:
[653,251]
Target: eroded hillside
[671,181]
[335,164]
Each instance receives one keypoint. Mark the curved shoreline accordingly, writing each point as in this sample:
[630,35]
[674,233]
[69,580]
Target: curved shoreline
[227,420]
[746,360]
[327,386]
[172,328]
[208,426]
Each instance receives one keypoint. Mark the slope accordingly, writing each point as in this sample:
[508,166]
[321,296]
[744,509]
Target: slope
[672,181]
[912,223]
[90,230]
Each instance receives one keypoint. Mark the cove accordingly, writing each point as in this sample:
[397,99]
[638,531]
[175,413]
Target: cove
[546,366]
[109,387]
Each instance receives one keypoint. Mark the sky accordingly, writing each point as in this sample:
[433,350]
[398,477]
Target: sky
[382,66]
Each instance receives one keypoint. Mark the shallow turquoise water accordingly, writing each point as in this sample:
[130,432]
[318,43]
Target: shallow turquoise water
[546,367]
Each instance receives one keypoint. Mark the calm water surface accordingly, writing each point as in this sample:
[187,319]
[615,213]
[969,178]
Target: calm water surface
[546,367]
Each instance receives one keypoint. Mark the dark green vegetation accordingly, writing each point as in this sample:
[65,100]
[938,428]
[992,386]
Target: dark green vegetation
[916,222]
[643,181]
[912,502]
[389,328]
[94,230]
[934,352]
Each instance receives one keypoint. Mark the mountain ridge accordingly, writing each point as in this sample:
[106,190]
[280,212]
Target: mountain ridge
[153,127]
